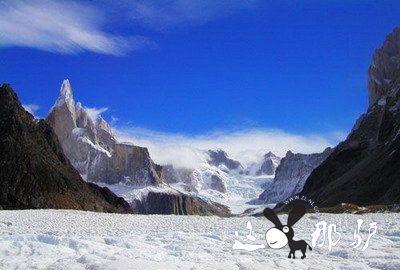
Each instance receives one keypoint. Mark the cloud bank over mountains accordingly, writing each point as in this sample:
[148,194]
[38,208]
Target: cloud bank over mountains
[247,146]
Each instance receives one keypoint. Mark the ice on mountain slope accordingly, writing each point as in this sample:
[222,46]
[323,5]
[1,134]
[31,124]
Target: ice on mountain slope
[220,179]
[232,188]
[64,239]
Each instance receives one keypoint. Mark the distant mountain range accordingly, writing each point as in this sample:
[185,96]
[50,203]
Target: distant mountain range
[219,185]
[43,161]
[128,170]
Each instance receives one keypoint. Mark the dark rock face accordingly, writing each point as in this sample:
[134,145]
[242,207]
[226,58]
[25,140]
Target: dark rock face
[365,168]
[178,204]
[385,68]
[217,183]
[219,157]
[34,173]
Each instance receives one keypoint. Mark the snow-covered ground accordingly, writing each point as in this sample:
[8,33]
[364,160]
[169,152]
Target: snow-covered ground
[64,239]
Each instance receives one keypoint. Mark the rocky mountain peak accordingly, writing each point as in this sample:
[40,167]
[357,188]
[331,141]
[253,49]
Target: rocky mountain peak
[66,90]
[92,148]
[367,162]
[269,164]
[291,174]
[66,96]
[289,154]
[34,171]
[269,155]
[384,69]
[219,157]
[8,96]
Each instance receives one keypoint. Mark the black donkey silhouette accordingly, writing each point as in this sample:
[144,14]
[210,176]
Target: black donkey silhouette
[280,235]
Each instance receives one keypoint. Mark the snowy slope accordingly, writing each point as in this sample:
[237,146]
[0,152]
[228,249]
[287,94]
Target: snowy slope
[238,183]
[240,188]
[224,180]
[65,239]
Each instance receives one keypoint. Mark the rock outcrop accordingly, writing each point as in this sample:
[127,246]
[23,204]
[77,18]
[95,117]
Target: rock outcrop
[217,183]
[291,174]
[365,168]
[178,203]
[34,172]
[93,149]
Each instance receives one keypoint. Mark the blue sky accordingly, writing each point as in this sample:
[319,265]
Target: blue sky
[194,67]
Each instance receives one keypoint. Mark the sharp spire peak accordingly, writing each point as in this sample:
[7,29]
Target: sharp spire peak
[66,90]
[66,97]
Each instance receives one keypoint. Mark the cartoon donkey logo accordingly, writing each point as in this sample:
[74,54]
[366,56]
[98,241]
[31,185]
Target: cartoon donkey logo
[279,236]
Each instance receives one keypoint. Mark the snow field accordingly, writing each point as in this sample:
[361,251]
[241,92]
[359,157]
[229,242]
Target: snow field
[66,239]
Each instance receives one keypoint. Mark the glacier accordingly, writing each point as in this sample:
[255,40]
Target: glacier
[67,239]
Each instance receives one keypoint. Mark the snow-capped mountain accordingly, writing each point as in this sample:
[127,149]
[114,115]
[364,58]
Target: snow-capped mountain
[265,166]
[35,173]
[220,159]
[129,171]
[221,179]
[125,169]
[291,174]
[93,149]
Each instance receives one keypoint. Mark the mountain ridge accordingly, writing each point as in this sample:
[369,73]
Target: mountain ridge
[364,169]
[34,171]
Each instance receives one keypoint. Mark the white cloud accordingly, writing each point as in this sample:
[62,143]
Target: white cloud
[31,108]
[245,145]
[95,112]
[161,14]
[71,26]
[60,26]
